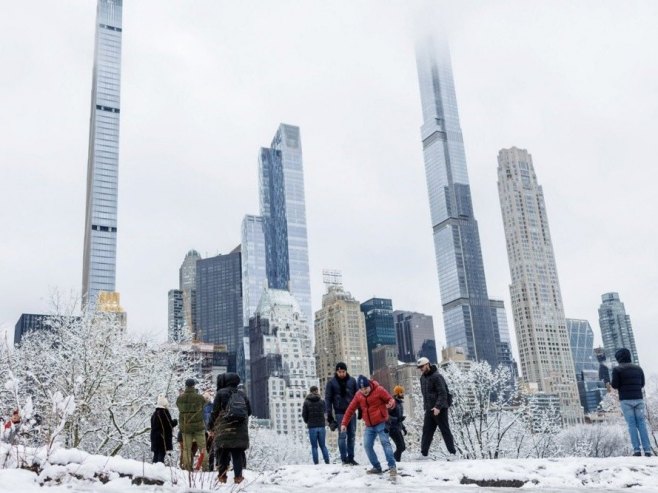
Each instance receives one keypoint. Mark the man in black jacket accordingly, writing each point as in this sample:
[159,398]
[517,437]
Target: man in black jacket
[435,404]
[338,395]
[628,379]
[313,416]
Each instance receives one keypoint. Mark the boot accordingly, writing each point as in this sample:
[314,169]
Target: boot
[221,474]
[238,479]
[374,470]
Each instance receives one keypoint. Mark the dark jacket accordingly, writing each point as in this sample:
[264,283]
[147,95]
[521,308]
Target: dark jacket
[161,430]
[207,412]
[627,377]
[190,411]
[434,389]
[338,395]
[228,434]
[313,411]
[396,416]
[373,406]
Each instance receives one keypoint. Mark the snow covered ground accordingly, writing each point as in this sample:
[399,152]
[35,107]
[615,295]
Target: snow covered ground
[73,470]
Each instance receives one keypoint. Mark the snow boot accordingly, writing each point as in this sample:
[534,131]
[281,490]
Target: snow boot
[393,472]
[374,470]
[238,479]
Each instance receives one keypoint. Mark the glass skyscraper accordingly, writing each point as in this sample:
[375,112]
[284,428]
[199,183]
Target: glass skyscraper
[99,263]
[254,274]
[380,326]
[581,338]
[616,328]
[466,309]
[413,332]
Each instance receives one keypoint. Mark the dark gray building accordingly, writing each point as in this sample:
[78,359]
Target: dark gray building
[175,319]
[29,322]
[219,302]
[414,331]
[380,327]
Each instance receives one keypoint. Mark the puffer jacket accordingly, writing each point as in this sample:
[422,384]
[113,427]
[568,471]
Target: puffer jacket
[190,411]
[627,378]
[434,390]
[396,415]
[373,406]
[228,434]
[313,411]
[337,397]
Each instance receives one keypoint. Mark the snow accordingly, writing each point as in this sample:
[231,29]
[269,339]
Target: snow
[74,470]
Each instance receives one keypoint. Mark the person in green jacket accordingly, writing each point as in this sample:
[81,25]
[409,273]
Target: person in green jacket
[190,418]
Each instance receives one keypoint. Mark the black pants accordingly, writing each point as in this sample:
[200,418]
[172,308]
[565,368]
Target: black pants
[225,455]
[429,427]
[159,456]
[398,439]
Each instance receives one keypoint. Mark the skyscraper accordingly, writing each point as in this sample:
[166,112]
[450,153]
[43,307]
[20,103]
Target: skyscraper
[413,331]
[590,387]
[175,318]
[99,262]
[616,328]
[539,320]
[187,285]
[466,311]
[499,319]
[254,273]
[380,327]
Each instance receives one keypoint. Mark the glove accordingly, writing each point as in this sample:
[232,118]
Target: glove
[330,419]
[358,413]
[333,426]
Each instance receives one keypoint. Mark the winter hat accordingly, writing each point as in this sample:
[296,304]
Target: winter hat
[313,389]
[362,382]
[398,390]
[341,366]
[623,355]
[422,362]
[163,403]
[190,382]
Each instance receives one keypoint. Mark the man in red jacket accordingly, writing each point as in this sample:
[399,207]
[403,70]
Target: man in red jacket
[374,403]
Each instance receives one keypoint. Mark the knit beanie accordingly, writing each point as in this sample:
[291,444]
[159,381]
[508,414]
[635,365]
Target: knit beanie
[163,403]
[341,366]
[362,382]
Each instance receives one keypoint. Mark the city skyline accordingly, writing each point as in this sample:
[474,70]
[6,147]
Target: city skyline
[178,152]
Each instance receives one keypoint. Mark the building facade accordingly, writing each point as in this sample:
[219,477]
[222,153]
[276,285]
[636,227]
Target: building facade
[380,327]
[100,241]
[175,319]
[590,387]
[466,312]
[254,273]
[187,285]
[541,331]
[32,322]
[413,332]
[499,319]
[616,328]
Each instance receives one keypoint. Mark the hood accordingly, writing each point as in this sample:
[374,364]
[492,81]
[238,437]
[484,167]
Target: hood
[227,380]
[623,355]
[433,369]
[313,397]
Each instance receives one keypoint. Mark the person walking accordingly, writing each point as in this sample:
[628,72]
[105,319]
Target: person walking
[338,394]
[435,405]
[374,403]
[395,422]
[628,379]
[161,430]
[229,423]
[190,411]
[314,417]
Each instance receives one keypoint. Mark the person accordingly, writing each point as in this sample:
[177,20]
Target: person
[207,411]
[374,403]
[628,379]
[161,429]
[230,433]
[338,394]
[11,427]
[313,416]
[435,405]
[190,410]
[396,422]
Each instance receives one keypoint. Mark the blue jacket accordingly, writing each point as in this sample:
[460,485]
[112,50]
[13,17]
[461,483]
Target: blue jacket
[336,401]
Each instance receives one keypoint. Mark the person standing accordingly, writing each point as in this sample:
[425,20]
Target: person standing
[338,394]
[628,379]
[435,404]
[374,403]
[207,411]
[229,423]
[314,417]
[190,411]
[395,422]
[161,430]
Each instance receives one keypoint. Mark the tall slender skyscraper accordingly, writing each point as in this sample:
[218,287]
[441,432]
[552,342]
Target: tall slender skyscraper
[254,273]
[466,309]
[539,320]
[187,285]
[99,264]
[616,328]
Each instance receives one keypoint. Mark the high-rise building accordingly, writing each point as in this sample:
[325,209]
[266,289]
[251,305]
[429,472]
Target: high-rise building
[340,335]
[175,318]
[283,209]
[539,319]
[254,274]
[466,311]
[499,319]
[187,285]
[590,387]
[616,328]
[282,362]
[413,332]
[380,327]
[99,262]
[219,302]
[32,322]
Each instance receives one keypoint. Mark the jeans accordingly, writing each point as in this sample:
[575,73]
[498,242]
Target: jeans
[369,444]
[429,427]
[634,413]
[317,436]
[346,440]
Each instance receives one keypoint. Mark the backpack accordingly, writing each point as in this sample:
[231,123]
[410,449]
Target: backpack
[236,410]
[447,391]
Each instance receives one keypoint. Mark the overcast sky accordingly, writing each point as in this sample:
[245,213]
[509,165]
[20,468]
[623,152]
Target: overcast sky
[206,83]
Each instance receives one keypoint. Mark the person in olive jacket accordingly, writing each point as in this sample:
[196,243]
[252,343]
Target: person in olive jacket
[161,430]
[628,379]
[231,438]
[190,411]
[313,416]
[435,404]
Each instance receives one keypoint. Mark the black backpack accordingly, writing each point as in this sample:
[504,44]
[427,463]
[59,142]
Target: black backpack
[236,409]
[447,390]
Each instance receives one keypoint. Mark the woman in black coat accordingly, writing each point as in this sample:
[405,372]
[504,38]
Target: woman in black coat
[161,430]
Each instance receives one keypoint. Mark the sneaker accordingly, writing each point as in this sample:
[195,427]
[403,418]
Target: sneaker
[393,472]
[637,454]
[452,457]
[238,479]
[374,470]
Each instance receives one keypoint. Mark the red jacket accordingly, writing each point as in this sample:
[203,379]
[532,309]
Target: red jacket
[373,407]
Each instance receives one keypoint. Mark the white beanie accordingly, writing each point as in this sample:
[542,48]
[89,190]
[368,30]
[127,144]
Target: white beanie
[162,402]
